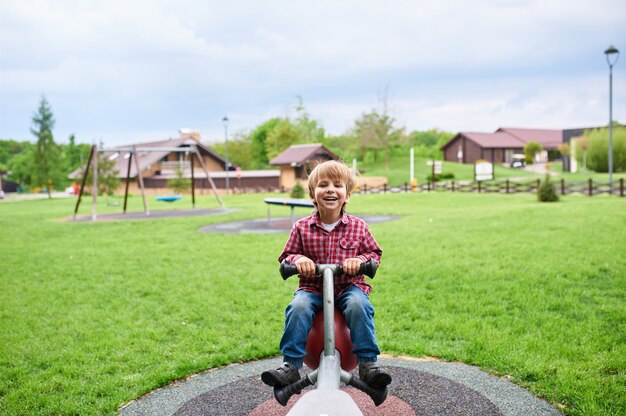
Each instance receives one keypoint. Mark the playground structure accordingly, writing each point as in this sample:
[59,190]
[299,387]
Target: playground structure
[331,366]
[132,152]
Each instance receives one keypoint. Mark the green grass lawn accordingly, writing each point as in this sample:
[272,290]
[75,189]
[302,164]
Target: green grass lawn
[96,314]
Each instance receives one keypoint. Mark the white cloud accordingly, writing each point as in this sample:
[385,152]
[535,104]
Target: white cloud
[154,66]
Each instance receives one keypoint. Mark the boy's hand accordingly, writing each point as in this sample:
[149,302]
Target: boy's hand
[306,266]
[351,266]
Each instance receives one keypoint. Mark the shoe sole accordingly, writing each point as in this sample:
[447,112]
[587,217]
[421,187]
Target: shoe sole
[380,380]
[270,379]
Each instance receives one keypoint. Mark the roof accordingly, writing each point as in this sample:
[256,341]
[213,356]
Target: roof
[299,154]
[494,140]
[507,138]
[547,138]
[147,158]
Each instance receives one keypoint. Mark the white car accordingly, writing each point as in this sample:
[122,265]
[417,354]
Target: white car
[518,161]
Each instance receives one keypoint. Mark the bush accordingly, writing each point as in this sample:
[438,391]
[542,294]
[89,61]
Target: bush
[547,191]
[297,191]
[530,150]
[598,153]
[440,176]
[179,184]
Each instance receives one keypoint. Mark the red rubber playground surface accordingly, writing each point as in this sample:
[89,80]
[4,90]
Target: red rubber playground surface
[419,387]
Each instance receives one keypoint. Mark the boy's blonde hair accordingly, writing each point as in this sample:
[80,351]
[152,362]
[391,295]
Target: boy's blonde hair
[333,170]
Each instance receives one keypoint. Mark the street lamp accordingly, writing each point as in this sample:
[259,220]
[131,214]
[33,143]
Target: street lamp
[225,121]
[612,55]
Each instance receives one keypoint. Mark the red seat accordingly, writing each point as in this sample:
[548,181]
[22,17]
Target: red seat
[315,342]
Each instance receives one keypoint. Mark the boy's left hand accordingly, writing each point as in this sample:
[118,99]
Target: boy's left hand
[351,266]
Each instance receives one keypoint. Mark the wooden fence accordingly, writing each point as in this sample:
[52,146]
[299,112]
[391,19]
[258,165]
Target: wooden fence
[589,187]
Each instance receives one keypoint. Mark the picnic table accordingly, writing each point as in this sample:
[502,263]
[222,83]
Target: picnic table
[290,202]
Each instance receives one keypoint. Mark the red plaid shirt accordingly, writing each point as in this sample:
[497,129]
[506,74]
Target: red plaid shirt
[349,239]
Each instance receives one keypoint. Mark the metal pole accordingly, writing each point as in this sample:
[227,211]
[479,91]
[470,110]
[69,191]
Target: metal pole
[611,129]
[225,121]
[411,166]
[611,53]
[94,191]
[329,312]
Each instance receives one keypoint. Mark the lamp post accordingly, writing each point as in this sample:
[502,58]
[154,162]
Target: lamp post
[612,55]
[225,121]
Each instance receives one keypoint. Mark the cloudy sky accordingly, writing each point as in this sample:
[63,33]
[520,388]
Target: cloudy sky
[121,71]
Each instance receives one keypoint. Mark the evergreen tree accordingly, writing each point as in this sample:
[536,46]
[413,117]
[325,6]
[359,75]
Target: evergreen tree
[46,155]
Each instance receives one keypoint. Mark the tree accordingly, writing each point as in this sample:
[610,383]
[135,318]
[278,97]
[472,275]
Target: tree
[179,184]
[428,143]
[239,151]
[546,192]
[375,131]
[258,139]
[47,155]
[283,135]
[311,130]
[598,153]
[21,165]
[530,150]
[74,155]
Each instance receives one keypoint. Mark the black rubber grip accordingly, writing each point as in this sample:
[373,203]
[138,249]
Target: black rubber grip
[378,395]
[282,394]
[287,269]
[368,269]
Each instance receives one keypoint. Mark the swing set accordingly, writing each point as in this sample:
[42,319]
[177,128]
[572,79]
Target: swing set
[132,152]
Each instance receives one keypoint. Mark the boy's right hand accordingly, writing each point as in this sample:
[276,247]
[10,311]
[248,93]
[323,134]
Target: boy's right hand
[306,266]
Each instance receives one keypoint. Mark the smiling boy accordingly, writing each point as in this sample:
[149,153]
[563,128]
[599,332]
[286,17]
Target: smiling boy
[330,236]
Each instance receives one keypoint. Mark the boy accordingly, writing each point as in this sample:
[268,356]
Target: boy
[330,236]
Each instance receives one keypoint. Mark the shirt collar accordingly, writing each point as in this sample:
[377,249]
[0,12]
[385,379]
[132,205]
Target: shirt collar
[316,220]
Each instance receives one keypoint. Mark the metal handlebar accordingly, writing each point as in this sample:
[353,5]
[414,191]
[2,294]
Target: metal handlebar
[289,269]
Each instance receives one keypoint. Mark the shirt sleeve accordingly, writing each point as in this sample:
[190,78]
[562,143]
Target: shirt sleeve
[293,247]
[370,248]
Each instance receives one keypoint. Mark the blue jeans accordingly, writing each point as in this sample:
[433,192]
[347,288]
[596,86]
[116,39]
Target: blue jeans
[355,306]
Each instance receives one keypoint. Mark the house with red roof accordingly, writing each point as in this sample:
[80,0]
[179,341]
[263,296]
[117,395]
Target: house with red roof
[158,164]
[499,146]
[297,161]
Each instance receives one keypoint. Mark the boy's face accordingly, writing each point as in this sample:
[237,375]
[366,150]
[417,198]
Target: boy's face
[330,196]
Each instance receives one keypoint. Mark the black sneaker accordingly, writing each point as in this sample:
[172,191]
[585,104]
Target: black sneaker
[371,373]
[284,375]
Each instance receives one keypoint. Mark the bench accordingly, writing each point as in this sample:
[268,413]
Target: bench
[289,202]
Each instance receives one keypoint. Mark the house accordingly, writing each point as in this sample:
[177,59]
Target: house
[158,166]
[500,146]
[5,185]
[297,161]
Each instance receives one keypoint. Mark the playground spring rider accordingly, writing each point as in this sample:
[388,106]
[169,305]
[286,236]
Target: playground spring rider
[333,368]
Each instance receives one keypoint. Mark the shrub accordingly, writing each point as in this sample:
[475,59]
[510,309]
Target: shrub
[297,191]
[530,150]
[598,153]
[179,184]
[440,176]
[547,191]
